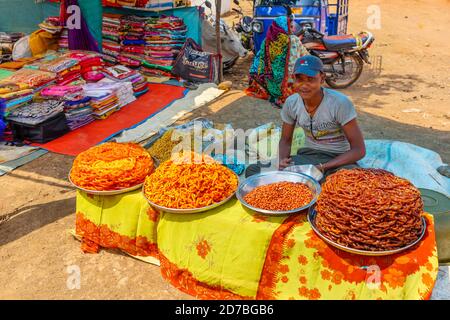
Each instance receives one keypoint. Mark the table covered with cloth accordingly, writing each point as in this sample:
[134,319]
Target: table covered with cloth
[233,253]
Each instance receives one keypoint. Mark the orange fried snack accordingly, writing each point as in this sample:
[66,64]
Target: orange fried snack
[369,209]
[280,196]
[190,181]
[111,166]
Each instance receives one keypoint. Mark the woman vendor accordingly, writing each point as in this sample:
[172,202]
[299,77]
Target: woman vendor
[333,137]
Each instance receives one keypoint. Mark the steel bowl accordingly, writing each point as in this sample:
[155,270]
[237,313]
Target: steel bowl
[312,221]
[308,169]
[266,178]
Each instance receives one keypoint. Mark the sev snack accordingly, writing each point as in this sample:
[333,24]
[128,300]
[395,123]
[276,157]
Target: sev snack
[161,150]
[281,196]
[369,209]
[190,181]
[111,166]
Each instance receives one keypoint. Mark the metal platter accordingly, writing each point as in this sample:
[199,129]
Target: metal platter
[106,193]
[312,221]
[273,177]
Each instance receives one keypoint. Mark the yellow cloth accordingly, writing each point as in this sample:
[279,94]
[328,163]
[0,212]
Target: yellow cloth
[233,253]
[41,41]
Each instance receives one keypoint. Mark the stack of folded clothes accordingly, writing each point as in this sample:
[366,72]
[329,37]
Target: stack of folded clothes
[164,36]
[111,37]
[124,90]
[158,4]
[77,113]
[7,41]
[104,100]
[132,48]
[67,69]
[36,113]
[52,25]
[31,78]
[63,42]
[77,107]
[121,73]
[91,64]
[12,96]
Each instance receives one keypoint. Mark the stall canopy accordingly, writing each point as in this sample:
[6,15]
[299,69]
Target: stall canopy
[25,15]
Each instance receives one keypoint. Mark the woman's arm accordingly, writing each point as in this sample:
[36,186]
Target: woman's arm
[357,147]
[284,155]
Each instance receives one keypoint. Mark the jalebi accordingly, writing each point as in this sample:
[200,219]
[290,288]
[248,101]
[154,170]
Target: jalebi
[369,209]
[190,181]
[111,166]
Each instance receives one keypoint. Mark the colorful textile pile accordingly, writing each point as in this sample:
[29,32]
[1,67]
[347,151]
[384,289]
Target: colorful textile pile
[36,113]
[164,36]
[111,37]
[52,25]
[77,107]
[67,69]
[13,96]
[124,90]
[7,41]
[78,112]
[34,79]
[91,64]
[104,99]
[63,42]
[121,73]
[132,40]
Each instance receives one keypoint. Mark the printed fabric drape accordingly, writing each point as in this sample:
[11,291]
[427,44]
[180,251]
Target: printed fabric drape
[79,39]
[271,70]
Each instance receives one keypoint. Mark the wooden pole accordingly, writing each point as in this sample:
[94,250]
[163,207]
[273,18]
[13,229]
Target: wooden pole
[218,39]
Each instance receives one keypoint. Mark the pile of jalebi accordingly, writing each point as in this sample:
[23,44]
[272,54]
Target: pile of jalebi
[190,181]
[111,166]
[281,196]
[369,209]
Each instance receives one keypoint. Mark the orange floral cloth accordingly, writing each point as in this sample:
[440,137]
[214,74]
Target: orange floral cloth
[233,253]
[299,265]
[123,222]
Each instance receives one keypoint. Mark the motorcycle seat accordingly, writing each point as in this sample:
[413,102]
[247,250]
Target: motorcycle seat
[335,43]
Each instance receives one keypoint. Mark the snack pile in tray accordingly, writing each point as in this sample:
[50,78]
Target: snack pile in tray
[369,209]
[190,181]
[280,196]
[111,166]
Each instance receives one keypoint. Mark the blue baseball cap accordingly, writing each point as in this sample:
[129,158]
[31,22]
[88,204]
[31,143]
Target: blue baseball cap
[309,65]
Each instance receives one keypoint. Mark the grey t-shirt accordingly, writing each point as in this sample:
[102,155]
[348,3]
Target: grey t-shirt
[335,111]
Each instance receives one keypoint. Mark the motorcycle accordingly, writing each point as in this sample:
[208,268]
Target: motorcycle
[343,56]
[232,48]
[244,28]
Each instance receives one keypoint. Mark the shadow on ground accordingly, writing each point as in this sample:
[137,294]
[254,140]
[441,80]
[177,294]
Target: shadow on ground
[27,219]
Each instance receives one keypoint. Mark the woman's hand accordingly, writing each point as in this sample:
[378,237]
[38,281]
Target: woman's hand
[284,163]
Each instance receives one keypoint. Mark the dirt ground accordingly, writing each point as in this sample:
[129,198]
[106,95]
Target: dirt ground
[404,96]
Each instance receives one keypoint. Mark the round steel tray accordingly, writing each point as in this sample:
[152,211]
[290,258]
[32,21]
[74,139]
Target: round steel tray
[106,193]
[312,221]
[273,177]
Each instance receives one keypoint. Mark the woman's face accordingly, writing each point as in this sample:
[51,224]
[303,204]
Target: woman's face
[308,86]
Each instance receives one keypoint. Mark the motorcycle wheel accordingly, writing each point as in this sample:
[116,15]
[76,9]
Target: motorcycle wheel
[342,81]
